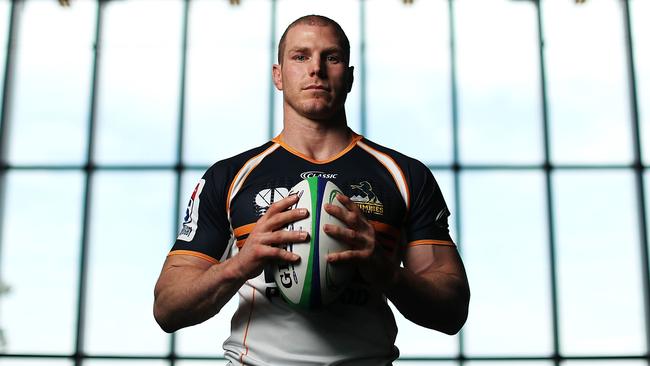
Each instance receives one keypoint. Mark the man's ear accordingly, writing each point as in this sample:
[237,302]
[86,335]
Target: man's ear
[350,77]
[277,76]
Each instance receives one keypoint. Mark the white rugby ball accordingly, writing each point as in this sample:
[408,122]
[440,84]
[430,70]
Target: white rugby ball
[313,282]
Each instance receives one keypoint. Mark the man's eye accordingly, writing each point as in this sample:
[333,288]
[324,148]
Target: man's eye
[333,59]
[299,57]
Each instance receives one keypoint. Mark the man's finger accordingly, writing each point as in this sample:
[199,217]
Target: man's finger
[348,236]
[282,205]
[284,237]
[282,219]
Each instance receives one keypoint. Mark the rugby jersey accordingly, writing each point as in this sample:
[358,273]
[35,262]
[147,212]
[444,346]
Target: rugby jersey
[397,194]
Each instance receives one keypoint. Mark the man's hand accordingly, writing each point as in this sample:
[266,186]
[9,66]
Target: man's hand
[261,246]
[374,265]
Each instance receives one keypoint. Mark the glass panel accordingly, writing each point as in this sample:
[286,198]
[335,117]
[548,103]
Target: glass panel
[505,245]
[605,363]
[344,12]
[204,339]
[414,340]
[8,361]
[222,87]
[126,363]
[598,263]
[139,82]
[40,256]
[498,82]
[509,363]
[640,19]
[202,363]
[130,235]
[49,111]
[408,96]
[588,106]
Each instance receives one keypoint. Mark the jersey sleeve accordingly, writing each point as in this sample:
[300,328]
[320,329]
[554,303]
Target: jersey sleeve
[205,231]
[427,219]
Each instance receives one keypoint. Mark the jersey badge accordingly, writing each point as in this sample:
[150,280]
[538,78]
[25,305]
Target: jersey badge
[191,218]
[366,199]
[266,197]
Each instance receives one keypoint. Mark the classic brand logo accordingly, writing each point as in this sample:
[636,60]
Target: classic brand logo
[315,173]
[366,199]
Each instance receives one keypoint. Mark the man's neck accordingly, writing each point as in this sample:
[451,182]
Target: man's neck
[318,140]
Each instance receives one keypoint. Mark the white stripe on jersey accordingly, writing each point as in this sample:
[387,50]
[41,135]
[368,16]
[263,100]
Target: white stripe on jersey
[242,174]
[393,168]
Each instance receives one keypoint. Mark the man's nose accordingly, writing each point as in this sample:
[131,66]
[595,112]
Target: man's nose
[315,66]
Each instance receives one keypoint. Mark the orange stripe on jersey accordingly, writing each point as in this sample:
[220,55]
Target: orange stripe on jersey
[194,254]
[431,242]
[394,170]
[240,243]
[244,229]
[248,323]
[355,138]
[243,173]
[389,230]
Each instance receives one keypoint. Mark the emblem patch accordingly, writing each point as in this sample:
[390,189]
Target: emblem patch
[191,218]
[266,197]
[366,199]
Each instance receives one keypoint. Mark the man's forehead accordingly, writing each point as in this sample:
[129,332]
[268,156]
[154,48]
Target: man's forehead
[301,35]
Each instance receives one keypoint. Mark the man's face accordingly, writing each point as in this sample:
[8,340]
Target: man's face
[314,75]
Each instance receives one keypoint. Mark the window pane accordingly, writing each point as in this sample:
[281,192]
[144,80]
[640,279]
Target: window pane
[587,82]
[344,12]
[131,228]
[40,256]
[8,361]
[139,82]
[126,363]
[498,82]
[509,363]
[414,340]
[640,18]
[505,246]
[205,339]
[49,111]
[202,363]
[408,96]
[599,279]
[228,72]
[605,363]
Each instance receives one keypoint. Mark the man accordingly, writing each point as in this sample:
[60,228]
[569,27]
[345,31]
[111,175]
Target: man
[394,213]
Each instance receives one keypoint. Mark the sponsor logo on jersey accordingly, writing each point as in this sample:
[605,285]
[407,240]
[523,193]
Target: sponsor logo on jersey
[366,199]
[265,198]
[191,218]
[316,173]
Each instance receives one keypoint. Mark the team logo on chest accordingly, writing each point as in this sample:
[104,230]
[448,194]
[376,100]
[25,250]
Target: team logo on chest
[366,199]
[266,197]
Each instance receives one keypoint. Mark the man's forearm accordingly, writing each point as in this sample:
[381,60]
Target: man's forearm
[436,300]
[195,295]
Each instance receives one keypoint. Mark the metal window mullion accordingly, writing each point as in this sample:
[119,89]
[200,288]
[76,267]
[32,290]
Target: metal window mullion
[638,173]
[179,168]
[455,165]
[79,353]
[272,41]
[549,189]
[4,119]
[363,118]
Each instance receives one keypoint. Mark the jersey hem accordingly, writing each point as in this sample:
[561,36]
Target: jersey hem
[431,242]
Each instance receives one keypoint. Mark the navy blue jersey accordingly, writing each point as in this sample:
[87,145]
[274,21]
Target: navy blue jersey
[397,194]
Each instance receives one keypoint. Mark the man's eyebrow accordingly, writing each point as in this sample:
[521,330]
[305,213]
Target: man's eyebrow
[299,49]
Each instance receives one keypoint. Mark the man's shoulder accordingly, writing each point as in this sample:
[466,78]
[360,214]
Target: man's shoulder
[405,162]
[234,163]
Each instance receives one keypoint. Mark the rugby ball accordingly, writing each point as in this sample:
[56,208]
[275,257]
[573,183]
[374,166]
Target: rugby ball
[313,282]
